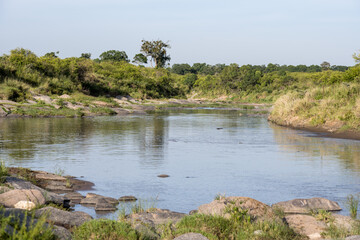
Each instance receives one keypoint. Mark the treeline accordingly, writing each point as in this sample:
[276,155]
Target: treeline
[23,73]
[206,69]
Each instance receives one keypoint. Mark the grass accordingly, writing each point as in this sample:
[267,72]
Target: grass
[3,172]
[140,206]
[38,230]
[352,203]
[105,229]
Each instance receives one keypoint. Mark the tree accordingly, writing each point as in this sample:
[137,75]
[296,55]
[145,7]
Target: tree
[356,57]
[114,55]
[181,69]
[86,55]
[325,65]
[140,58]
[51,54]
[156,50]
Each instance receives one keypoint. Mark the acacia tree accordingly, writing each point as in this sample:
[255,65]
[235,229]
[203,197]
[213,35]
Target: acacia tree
[325,65]
[156,50]
[114,55]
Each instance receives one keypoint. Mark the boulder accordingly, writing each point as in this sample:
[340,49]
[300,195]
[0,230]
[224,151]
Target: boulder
[306,205]
[306,225]
[12,198]
[74,197]
[344,222]
[50,197]
[220,207]
[92,199]
[26,205]
[156,216]
[64,96]
[127,199]
[63,218]
[44,98]
[191,236]
[62,233]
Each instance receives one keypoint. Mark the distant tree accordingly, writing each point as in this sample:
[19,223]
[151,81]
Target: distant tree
[181,69]
[140,58]
[190,80]
[114,55]
[356,57]
[339,68]
[272,67]
[156,50]
[51,54]
[86,55]
[325,65]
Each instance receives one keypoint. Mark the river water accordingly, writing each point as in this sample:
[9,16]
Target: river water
[205,152]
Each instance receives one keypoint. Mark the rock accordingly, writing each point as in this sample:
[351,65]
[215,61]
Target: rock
[26,205]
[63,218]
[306,225]
[127,198]
[64,96]
[108,199]
[343,221]
[74,197]
[156,216]
[103,205]
[62,233]
[191,236]
[80,185]
[58,187]
[163,176]
[45,99]
[50,197]
[355,237]
[3,113]
[305,205]
[49,176]
[13,197]
[102,104]
[219,207]
[193,212]
[4,189]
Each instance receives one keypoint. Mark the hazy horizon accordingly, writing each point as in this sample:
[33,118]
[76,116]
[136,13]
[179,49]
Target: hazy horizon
[243,32]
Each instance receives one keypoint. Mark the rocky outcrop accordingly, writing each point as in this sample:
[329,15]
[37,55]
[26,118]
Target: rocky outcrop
[74,197]
[306,225]
[306,205]
[63,218]
[155,217]
[22,198]
[221,207]
[191,236]
[101,203]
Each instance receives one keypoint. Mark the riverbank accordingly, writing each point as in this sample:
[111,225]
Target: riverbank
[80,105]
[223,218]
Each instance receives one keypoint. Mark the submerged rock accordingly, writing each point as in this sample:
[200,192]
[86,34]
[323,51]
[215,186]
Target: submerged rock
[221,207]
[306,205]
[127,199]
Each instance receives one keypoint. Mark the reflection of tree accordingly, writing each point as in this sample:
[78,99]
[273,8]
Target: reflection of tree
[20,138]
[348,151]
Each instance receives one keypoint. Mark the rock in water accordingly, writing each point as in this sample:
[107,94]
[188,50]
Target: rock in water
[163,176]
[306,205]
[127,199]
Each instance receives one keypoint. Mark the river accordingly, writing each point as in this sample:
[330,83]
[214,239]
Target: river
[205,152]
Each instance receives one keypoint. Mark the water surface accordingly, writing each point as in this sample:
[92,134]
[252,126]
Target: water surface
[205,152]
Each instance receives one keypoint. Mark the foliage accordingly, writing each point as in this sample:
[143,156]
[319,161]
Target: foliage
[156,50]
[352,203]
[105,229]
[356,57]
[14,228]
[3,172]
[140,58]
[86,55]
[114,55]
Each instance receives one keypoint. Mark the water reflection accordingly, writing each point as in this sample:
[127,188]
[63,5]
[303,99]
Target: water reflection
[347,151]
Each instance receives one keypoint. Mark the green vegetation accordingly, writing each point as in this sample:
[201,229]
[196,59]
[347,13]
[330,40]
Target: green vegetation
[352,203]
[14,228]
[3,172]
[105,229]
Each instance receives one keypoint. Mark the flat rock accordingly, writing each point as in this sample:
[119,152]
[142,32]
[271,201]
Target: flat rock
[11,198]
[49,176]
[92,197]
[219,207]
[127,199]
[305,205]
[103,205]
[191,236]
[74,197]
[306,225]
[63,218]
[156,216]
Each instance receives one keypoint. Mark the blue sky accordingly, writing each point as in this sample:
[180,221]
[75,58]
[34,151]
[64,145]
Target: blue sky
[227,31]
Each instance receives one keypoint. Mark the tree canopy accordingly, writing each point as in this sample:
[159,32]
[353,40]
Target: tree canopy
[114,55]
[156,50]
[140,58]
